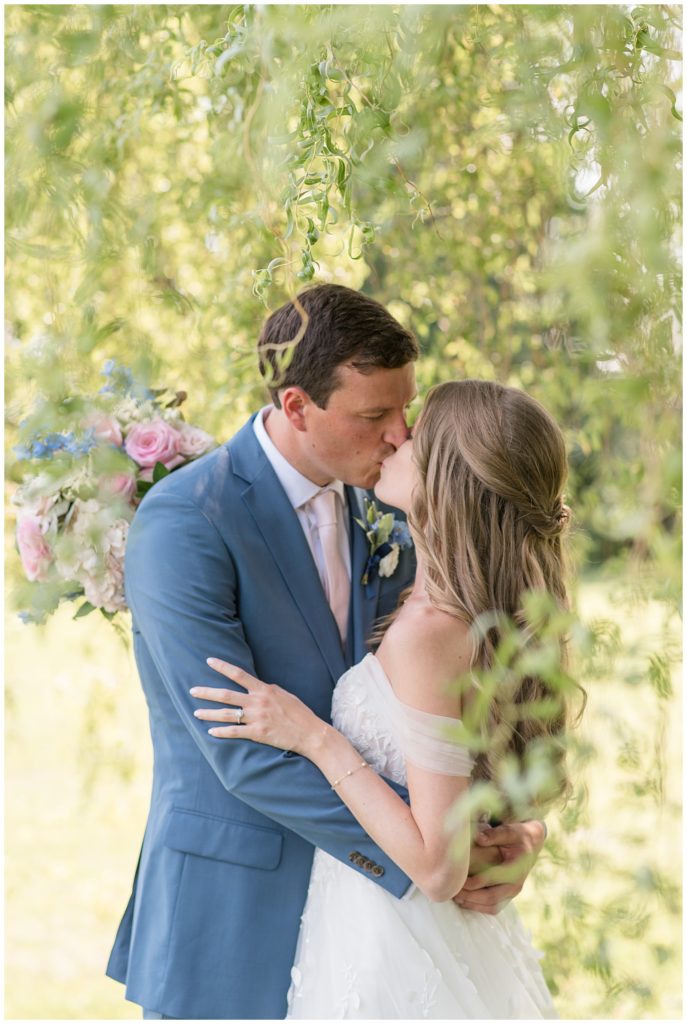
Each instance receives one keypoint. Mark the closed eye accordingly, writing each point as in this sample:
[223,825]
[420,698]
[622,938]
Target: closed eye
[380,415]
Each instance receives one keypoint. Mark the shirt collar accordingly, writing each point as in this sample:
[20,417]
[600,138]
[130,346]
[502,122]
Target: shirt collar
[297,487]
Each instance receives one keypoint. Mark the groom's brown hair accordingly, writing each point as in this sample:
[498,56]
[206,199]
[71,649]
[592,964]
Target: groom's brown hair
[304,342]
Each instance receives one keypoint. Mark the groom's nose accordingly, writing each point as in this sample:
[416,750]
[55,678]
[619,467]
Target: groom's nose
[397,431]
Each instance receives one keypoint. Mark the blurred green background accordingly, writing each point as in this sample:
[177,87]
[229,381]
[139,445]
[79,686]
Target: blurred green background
[507,179]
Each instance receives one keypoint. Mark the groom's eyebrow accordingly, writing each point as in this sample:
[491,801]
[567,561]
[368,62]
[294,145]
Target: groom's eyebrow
[387,408]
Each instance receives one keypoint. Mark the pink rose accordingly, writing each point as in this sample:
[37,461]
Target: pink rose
[120,485]
[154,441]
[194,441]
[106,428]
[34,550]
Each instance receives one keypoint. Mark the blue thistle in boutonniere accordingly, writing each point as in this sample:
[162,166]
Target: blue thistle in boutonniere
[386,536]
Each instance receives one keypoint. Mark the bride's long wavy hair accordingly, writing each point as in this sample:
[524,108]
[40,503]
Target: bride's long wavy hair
[488,517]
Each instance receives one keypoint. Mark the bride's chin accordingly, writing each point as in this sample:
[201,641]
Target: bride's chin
[388,496]
[379,490]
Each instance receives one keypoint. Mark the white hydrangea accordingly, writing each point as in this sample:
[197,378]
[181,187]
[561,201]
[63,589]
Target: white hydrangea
[129,411]
[106,588]
[77,481]
[35,500]
[92,553]
[172,417]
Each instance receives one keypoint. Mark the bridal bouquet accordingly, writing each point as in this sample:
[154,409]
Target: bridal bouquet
[82,485]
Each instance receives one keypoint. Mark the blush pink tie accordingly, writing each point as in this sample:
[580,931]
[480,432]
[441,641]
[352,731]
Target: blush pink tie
[338,585]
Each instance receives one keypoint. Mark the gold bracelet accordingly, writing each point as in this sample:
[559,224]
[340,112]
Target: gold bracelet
[363,764]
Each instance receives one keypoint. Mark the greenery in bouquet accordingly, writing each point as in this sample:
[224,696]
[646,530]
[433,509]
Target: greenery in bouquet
[87,466]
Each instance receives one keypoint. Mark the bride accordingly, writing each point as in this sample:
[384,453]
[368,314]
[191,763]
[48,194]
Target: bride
[481,482]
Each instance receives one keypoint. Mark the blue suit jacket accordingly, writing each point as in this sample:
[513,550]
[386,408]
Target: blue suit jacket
[217,565]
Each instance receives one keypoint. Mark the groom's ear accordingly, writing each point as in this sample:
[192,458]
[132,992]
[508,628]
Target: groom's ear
[294,402]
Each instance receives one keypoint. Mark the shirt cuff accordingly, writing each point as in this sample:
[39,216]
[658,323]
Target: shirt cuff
[410,891]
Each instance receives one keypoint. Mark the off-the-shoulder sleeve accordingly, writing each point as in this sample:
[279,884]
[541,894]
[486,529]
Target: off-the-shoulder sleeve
[425,740]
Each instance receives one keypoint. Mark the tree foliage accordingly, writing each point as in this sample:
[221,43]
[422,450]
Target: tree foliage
[505,178]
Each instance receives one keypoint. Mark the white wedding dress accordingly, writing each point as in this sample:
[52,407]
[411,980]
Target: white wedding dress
[363,954]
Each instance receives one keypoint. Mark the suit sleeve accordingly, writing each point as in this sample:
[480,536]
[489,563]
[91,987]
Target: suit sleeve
[181,587]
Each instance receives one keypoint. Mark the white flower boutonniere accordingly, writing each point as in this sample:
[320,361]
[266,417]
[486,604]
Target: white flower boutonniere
[387,537]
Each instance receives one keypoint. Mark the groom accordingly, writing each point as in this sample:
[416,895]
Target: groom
[252,554]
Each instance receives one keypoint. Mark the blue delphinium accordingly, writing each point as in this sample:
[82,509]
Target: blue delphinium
[47,445]
[400,534]
[120,381]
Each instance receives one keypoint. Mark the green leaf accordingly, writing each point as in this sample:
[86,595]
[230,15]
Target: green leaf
[110,328]
[386,525]
[341,175]
[351,237]
[659,676]
[160,471]
[85,609]
[673,101]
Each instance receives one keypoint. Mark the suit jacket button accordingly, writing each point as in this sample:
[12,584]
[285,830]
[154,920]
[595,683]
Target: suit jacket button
[368,865]
[377,871]
[353,856]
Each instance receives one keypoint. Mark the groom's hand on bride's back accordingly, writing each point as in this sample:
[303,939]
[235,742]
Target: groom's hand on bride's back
[500,861]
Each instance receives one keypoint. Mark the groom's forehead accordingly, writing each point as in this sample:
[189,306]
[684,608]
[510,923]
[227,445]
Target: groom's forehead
[377,387]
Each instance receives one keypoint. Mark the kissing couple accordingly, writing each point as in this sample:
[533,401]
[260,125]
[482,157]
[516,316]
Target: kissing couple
[295,861]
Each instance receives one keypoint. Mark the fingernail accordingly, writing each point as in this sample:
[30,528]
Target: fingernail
[194,690]
[213,732]
[211,661]
[196,714]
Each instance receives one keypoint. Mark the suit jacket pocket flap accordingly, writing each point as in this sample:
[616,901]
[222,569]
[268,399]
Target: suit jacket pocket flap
[222,839]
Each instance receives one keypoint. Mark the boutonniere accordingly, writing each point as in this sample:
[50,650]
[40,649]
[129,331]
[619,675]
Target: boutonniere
[386,536]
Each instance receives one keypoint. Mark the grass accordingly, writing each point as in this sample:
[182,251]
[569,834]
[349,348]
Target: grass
[78,771]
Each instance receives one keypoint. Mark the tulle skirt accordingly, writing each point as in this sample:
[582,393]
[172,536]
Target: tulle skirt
[364,955]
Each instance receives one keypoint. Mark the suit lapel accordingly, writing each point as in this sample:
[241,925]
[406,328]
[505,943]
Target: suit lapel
[283,535]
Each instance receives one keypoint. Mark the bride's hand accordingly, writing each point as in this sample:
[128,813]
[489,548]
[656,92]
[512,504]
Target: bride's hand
[519,844]
[266,713]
